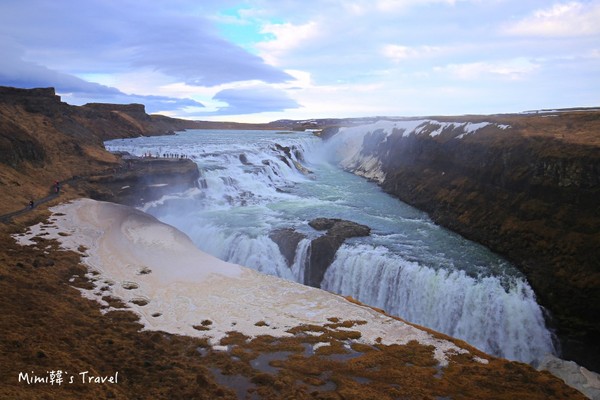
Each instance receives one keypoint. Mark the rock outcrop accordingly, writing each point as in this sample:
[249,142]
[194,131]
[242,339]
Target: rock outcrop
[580,378]
[323,248]
[526,186]
[40,100]
[43,139]
[287,239]
[141,180]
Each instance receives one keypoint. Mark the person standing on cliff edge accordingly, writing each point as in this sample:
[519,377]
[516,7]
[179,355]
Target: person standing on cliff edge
[57,187]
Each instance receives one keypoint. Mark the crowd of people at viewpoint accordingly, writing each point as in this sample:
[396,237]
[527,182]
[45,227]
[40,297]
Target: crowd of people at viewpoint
[165,155]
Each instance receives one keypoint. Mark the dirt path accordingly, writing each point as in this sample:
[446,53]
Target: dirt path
[53,193]
[131,165]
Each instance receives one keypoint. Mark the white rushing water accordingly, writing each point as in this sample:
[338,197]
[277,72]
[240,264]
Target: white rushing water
[252,183]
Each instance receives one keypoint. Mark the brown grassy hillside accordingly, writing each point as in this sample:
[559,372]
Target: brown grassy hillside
[34,154]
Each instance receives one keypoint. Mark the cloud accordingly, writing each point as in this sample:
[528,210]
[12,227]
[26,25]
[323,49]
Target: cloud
[19,73]
[510,69]
[561,20]
[396,5]
[350,41]
[254,99]
[286,37]
[175,39]
[398,53]
[200,58]
[14,71]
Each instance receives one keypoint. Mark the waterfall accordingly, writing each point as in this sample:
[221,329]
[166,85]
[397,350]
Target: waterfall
[499,320]
[301,259]
[253,183]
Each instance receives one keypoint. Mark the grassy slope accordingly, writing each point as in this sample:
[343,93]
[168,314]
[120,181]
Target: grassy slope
[60,156]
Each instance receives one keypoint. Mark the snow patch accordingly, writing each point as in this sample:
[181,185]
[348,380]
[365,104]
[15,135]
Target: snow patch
[189,292]
[348,150]
[574,375]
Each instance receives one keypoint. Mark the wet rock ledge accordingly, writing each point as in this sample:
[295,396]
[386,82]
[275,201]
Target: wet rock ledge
[140,180]
[322,249]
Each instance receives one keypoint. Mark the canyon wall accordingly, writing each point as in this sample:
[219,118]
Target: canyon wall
[43,140]
[526,186]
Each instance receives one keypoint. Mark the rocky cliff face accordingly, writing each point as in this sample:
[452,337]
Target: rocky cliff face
[526,186]
[17,145]
[141,180]
[99,120]
[41,100]
[43,139]
[323,248]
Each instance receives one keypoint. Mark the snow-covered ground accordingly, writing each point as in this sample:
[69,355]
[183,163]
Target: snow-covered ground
[174,286]
[347,144]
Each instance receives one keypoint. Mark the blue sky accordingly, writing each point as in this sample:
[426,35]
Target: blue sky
[262,60]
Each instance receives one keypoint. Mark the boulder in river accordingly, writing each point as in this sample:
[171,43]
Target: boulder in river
[287,239]
[323,248]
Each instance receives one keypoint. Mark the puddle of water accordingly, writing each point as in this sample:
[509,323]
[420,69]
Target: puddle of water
[239,383]
[439,372]
[327,386]
[203,351]
[361,379]
[262,362]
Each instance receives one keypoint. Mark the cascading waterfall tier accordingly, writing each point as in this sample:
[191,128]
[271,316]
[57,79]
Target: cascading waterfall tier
[256,182]
[501,317]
